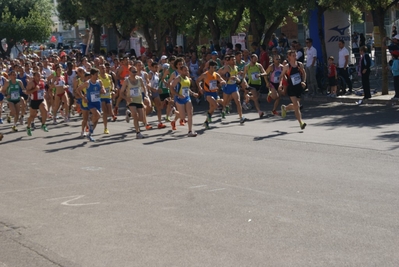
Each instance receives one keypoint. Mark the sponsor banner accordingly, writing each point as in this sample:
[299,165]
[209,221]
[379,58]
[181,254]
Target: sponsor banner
[336,28]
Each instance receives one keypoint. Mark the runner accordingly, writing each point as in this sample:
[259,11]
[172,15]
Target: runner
[121,74]
[106,107]
[36,91]
[70,77]
[255,71]
[82,77]
[274,72]
[210,80]
[133,87]
[60,96]
[182,98]
[12,91]
[164,92]
[230,91]
[24,78]
[2,82]
[153,76]
[93,88]
[296,76]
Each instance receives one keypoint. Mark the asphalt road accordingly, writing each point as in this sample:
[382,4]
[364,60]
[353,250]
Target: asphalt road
[262,194]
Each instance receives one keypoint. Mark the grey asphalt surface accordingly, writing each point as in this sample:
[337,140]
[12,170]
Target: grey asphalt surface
[262,194]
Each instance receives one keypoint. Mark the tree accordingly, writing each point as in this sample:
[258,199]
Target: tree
[24,20]
[378,9]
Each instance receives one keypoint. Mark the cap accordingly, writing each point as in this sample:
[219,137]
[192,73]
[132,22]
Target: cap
[87,74]
[214,53]
[395,53]
[396,37]
[165,66]
[164,57]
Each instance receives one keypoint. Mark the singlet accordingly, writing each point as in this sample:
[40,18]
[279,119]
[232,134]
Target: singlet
[69,79]
[275,74]
[13,91]
[253,74]
[143,73]
[183,87]
[60,81]
[107,85]
[124,73]
[241,65]
[38,95]
[154,82]
[77,96]
[134,91]
[210,82]
[194,70]
[294,76]
[165,89]
[23,79]
[231,73]
[93,92]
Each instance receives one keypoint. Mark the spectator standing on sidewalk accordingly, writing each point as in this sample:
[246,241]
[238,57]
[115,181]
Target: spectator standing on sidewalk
[364,69]
[343,61]
[395,73]
[85,40]
[311,59]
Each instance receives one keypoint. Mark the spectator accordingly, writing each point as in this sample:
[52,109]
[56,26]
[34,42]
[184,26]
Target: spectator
[394,31]
[264,57]
[343,62]
[255,48]
[365,64]
[60,41]
[311,59]
[395,73]
[85,41]
[300,53]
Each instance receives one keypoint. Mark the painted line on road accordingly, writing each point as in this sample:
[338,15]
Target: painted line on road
[217,189]
[73,198]
[198,186]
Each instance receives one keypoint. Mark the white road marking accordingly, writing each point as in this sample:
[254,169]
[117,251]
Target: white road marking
[198,186]
[217,189]
[72,198]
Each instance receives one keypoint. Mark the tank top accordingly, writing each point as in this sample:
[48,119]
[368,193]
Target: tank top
[124,73]
[253,74]
[154,82]
[69,79]
[13,91]
[294,77]
[165,89]
[232,72]
[23,79]
[143,73]
[210,82]
[275,75]
[93,92]
[106,81]
[38,95]
[183,87]
[134,92]
[194,70]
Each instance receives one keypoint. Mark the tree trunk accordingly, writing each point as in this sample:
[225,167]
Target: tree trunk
[161,38]
[272,29]
[149,37]
[237,19]
[214,26]
[96,37]
[196,38]
[257,24]
[381,54]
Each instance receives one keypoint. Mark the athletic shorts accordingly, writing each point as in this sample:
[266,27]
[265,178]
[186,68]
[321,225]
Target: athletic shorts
[96,105]
[256,86]
[275,85]
[13,101]
[212,94]
[164,96]
[35,104]
[106,100]
[1,97]
[332,81]
[154,95]
[24,96]
[137,105]
[182,101]
[230,88]
[294,91]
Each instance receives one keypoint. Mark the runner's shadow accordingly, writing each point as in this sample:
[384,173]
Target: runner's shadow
[67,147]
[277,134]
[165,139]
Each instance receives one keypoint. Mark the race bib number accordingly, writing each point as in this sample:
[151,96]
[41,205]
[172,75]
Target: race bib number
[15,96]
[277,77]
[40,94]
[94,97]
[107,92]
[213,85]
[61,82]
[296,79]
[134,92]
[255,76]
[155,85]
[186,92]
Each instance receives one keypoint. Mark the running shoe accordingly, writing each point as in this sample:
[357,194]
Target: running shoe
[32,126]
[90,137]
[192,134]
[44,128]
[106,131]
[28,131]
[303,125]
[275,113]
[82,134]
[1,121]
[209,118]
[66,119]
[244,105]
[167,119]
[87,129]
[55,121]
[242,120]
[139,136]
[182,122]
[269,97]
[227,110]
[206,125]
[1,136]
[21,120]
[261,114]
[161,125]
[148,127]
[283,111]
[116,111]
[223,115]
[8,119]
[128,114]
[14,128]
[173,123]
[114,118]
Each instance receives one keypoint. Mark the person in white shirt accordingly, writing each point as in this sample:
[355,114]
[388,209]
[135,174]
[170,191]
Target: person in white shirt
[60,41]
[311,59]
[343,61]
